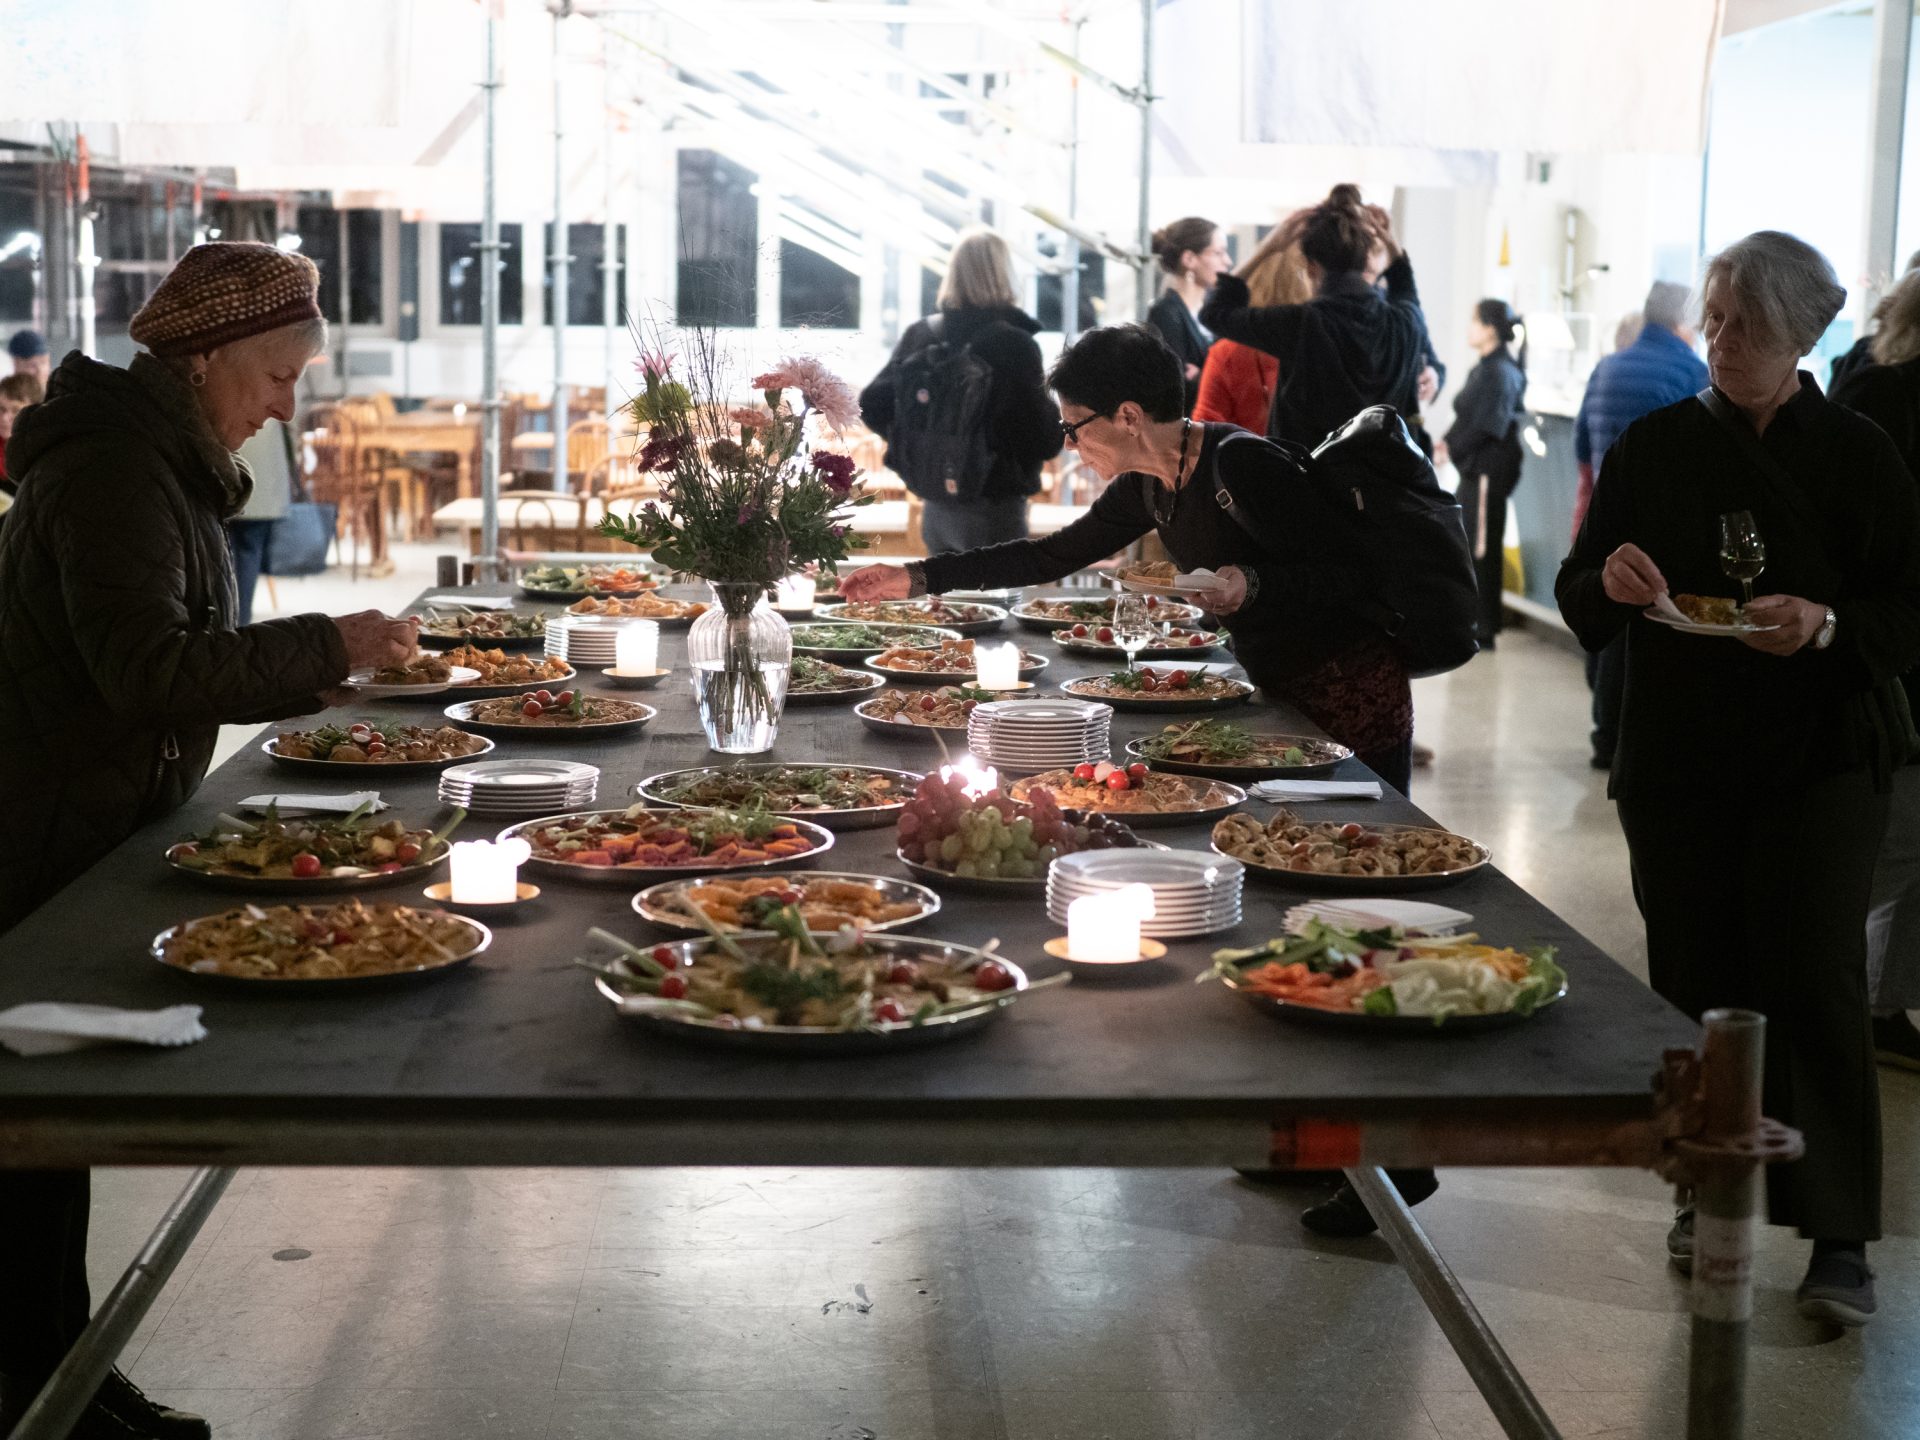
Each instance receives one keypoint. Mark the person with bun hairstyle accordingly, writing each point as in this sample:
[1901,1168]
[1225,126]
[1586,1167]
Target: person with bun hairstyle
[1348,346]
[1484,444]
[1237,381]
[1193,251]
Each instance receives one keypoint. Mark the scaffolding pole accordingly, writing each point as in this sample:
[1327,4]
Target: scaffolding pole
[487,566]
[609,234]
[558,258]
[1143,300]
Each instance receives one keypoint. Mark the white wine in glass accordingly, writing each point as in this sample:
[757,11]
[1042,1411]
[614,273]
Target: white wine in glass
[1743,554]
[1132,625]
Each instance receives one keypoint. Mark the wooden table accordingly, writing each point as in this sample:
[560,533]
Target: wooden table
[431,432]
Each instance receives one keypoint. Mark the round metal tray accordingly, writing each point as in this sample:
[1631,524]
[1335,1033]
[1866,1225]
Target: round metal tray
[977,625]
[810,1040]
[858,653]
[654,903]
[523,687]
[867,817]
[1141,705]
[1359,1022]
[645,875]
[952,734]
[462,715]
[1029,670]
[484,642]
[1254,772]
[1098,650]
[852,694]
[481,939]
[339,769]
[1176,610]
[315,885]
[1156,819]
[1364,884]
[366,689]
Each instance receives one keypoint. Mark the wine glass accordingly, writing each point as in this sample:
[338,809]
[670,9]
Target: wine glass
[1132,624]
[1743,554]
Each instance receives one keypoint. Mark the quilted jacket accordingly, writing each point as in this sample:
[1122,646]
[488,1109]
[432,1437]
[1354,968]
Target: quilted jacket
[119,655]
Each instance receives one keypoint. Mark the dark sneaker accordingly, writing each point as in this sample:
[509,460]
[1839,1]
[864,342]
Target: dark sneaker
[1896,1042]
[1344,1215]
[1838,1288]
[122,1411]
[1680,1241]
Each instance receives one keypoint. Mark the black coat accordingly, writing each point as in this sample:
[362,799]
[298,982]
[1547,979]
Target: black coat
[1347,348]
[1484,437]
[1023,422]
[119,656]
[1185,337]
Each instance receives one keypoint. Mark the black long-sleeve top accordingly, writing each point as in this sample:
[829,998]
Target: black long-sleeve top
[1888,395]
[1185,337]
[1486,413]
[1712,712]
[1347,348]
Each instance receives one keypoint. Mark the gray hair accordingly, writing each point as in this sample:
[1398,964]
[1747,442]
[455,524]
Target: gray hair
[1666,305]
[1785,288]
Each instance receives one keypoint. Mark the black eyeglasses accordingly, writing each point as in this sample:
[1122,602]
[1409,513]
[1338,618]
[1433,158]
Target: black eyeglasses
[1072,431]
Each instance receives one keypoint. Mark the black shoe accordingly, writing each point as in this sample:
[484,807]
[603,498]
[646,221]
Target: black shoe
[1344,1214]
[1838,1288]
[1680,1241]
[119,1412]
[1896,1042]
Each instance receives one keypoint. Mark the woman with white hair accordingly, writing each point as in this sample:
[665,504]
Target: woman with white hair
[1752,770]
[963,404]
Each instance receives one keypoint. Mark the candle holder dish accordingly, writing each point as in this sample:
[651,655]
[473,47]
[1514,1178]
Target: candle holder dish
[441,894]
[1150,950]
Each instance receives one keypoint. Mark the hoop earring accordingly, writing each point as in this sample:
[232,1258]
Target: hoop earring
[197,378]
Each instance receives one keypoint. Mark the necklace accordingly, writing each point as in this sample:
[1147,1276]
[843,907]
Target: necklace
[1165,517]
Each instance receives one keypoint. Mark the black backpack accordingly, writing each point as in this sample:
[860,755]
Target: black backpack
[1409,529]
[938,441]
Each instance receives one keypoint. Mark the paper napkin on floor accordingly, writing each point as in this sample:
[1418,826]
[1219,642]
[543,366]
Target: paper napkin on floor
[50,1027]
[1295,791]
[289,804]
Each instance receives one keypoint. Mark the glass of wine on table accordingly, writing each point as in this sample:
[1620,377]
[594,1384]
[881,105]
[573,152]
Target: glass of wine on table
[1743,554]
[1132,625]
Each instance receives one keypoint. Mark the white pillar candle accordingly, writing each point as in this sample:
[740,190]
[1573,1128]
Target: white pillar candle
[794,593]
[973,780]
[636,647]
[1101,932]
[997,667]
[485,873]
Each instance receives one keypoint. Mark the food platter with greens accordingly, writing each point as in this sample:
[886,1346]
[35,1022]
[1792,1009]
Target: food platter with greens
[1224,751]
[840,797]
[846,640]
[309,856]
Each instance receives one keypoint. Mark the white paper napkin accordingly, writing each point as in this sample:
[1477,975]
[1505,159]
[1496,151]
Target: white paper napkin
[1410,916]
[1663,602]
[1296,791]
[314,804]
[51,1027]
[470,602]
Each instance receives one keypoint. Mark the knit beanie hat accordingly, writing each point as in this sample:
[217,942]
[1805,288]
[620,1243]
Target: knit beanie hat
[225,291]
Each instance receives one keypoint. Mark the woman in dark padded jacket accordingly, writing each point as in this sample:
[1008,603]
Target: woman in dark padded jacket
[1484,444]
[977,311]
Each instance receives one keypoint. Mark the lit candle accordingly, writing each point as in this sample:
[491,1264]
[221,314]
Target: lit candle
[974,780]
[997,667]
[636,647]
[485,873]
[1105,929]
[794,593]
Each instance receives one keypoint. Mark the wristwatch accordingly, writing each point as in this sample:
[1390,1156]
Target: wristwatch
[1823,637]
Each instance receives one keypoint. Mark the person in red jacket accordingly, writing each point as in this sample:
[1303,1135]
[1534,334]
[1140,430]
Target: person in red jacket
[1236,382]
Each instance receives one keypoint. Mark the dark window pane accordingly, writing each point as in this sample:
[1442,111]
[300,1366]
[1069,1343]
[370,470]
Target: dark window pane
[319,229]
[929,291]
[585,278]
[719,241]
[1093,288]
[815,291]
[460,275]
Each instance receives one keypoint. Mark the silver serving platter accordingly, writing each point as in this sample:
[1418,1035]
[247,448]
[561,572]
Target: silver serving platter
[812,1040]
[974,623]
[866,817]
[313,885]
[1109,650]
[645,874]
[810,646]
[482,937]
[1364,884]
[1359,1021]
[1030,668]
[484,642]
[656,902]
[462,715]
[1154,819]
[861,690]
[1025,613]
[1143,705]
[339,769]
[954,734]
[1333,756]
[476,691]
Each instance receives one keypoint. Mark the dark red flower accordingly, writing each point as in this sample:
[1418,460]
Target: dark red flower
[837,470]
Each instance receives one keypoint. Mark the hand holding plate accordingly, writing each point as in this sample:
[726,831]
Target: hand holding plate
[1799,621]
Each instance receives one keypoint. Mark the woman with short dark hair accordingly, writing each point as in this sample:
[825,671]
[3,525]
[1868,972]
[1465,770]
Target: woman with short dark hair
[1192,252]
[1484,445]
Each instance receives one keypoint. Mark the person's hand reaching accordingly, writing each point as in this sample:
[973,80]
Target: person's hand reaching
[1631,577]
[1227,593]
[876,582]
[373,639]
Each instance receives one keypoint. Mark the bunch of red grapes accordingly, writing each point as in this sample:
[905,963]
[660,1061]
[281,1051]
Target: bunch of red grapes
[992,836]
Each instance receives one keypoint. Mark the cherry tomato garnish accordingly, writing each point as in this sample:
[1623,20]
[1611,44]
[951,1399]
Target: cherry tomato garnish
[663,955]
[1179,680]
[306,865]
[406,852]
[1104,634]
[673,987]
[1083,772]
[903,972]
[1118,781]
[890,1012]
[533,710]
[992,975]
[1137,771]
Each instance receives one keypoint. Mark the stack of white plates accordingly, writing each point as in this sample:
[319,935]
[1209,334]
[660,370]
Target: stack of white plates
[586,641]
[1034,735]
[1194,893]
[1414,917]
[520,787]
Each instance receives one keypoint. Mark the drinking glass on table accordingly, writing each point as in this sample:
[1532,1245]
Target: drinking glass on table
[1743,554]
[1132,624]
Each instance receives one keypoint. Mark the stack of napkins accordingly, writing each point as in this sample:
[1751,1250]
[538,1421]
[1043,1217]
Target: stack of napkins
[51,1027]
[1294,792]
[287,804]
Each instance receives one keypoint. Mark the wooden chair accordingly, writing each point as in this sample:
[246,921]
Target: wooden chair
[339,477]
[522,509]
[588,443]
[401,486]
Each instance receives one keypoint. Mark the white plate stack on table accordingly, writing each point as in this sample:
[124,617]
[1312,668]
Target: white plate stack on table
[1034,735]
[1194,893]
[520,788]
[587,642]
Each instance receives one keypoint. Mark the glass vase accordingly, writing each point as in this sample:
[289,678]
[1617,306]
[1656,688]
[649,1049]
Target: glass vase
[740,653]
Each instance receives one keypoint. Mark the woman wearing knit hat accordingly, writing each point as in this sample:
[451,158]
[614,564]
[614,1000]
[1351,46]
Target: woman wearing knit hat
[120,658]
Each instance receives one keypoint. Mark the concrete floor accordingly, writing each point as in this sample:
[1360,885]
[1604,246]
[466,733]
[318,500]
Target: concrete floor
[966,1305]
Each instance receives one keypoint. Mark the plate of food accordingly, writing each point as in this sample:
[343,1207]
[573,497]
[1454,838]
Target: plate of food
[926,714]
[965,618]
[950,661]
[850,640]
[814,681]
[1703,615]
[672,614]
[1229,752]
[1154,578]
[498,673]
[303,948]
[312,855]
[1330,855]
[788,989]
[840,797]
[1162,688]
[619,847]
[828,901]
[1170,643]
[542,714]
[989,842]
[494,629]
[395,748]
[1048,613]
[1388,980]
[1137,794]
[575,582]
[420,674]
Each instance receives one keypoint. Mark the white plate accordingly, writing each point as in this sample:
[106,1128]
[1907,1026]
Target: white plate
[361,683]
[1410,915]
[1694,627]
[1177,867]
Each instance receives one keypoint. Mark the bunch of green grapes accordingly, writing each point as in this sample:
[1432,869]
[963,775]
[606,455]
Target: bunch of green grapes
[992,836]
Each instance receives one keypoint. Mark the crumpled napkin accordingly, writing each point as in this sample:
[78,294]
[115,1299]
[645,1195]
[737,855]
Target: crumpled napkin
[1295,791]
[288,804]
[469,602]
[51,1027]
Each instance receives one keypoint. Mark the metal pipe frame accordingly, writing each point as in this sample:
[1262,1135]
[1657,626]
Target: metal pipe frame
[487,564]
[1143,296]
[562,410]
[66,1395]
[1886,135]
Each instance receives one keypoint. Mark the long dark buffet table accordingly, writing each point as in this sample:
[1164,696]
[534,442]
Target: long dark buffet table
[516,1060]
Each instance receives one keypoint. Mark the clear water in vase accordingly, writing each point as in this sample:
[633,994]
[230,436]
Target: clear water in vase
[735,724]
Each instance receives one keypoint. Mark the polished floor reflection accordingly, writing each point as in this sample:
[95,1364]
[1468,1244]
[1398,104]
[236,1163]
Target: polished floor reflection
[967,1305]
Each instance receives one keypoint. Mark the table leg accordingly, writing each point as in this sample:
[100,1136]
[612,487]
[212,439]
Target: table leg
[60,1403]
[463,469]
